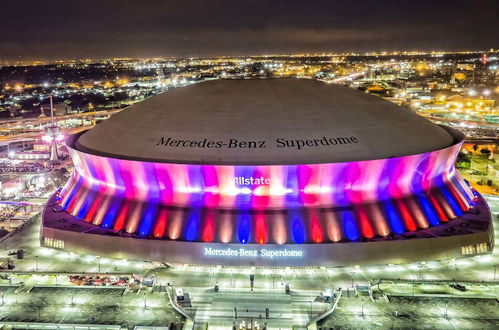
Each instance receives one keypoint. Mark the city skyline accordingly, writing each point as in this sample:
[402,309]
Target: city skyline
[89,29]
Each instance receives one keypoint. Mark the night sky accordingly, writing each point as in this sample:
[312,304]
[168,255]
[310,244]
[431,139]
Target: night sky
[36,29]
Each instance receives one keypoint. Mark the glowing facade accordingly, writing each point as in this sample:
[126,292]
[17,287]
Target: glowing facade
[294,204]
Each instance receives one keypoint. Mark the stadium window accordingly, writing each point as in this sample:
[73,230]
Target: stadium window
[468,250]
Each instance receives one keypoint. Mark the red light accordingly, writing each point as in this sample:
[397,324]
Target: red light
[120,220]
[365,225]
[261,229]
[159,228]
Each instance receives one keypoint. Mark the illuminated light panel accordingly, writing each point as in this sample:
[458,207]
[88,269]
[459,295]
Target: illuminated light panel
[349,225]
[175,228]
[410,225]
[418,214]
[193,224]
[393,217]
[148,219]
[378,219]
[333,228]
[122,215]
[161,223]
[298,231]
[261,229]
[429,211]
[208,227]
[278,228]
[365,225]
[244,228]
[316,230]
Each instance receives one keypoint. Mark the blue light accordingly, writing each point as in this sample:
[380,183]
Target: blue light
[461,189]
[148,219]
[349,225]
[450,199]
[87,203]
[193,223]
[297,228]
[111,213]
[244,228]
[428,211]
[393,218]
[72,194]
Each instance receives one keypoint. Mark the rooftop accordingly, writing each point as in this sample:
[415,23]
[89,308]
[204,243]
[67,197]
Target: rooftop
[266,121]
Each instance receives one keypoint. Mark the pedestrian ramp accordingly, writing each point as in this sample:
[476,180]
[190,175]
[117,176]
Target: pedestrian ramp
[221,309]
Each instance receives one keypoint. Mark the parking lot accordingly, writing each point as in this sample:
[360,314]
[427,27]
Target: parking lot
[414,313]
[95,305]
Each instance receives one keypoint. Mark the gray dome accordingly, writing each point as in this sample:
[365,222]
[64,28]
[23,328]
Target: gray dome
[269,121]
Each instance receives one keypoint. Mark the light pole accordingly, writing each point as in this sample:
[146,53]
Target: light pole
[446,303]
[36,263]
[362,313]
[98,258]
[145,301]
[353,274]
[273,279]
[420,271]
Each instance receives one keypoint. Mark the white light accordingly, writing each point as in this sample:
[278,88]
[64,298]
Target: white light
[11,154]
[486,92]
[472,92]
[245,191]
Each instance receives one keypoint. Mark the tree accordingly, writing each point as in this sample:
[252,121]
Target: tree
[485,152]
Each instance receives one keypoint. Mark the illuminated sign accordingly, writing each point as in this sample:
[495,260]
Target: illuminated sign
[250,181]
[243,252]
[256,144]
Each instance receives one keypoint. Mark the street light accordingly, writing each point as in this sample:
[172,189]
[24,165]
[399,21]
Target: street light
[353,274]
[98,258]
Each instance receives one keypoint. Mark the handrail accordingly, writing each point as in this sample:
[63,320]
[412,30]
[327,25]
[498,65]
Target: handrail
[327,313]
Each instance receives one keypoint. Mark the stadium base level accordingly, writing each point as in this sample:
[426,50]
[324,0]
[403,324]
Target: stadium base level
[468,235]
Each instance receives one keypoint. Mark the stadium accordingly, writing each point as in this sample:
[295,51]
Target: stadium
[267,172]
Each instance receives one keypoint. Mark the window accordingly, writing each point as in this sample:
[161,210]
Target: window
[54,243]
[475,249]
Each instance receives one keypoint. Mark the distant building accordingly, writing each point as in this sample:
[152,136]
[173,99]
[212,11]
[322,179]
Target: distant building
[60,109]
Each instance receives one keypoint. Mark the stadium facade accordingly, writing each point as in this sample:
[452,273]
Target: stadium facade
[267,173]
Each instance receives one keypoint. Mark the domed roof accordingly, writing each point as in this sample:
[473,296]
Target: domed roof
[267,121]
